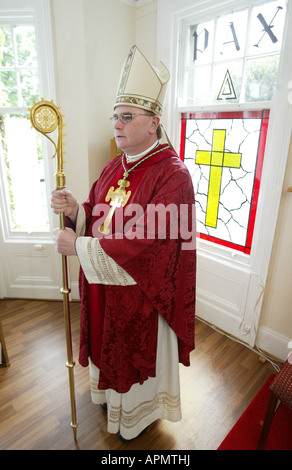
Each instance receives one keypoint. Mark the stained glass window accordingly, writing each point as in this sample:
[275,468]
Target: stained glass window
[224,153]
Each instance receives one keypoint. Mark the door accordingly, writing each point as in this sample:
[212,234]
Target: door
[29,262]
[230,66]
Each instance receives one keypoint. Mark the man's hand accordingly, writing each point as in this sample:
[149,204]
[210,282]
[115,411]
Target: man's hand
[65,241]
[63,200]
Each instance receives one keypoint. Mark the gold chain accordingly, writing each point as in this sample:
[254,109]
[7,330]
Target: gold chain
[126,173]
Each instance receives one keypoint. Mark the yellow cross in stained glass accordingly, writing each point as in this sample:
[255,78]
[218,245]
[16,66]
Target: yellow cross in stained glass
[217,159]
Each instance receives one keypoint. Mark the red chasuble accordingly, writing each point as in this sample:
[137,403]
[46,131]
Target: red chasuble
[119,323]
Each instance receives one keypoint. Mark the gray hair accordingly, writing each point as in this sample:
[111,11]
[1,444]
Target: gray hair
[159,129]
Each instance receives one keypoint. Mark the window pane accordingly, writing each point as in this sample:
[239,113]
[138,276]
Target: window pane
[227,82]
[197,85]
[29,87]
[231,36]
[8,85]
[23,171]
[201,39]
[261,78]
[19,69]
[6,47]
[26,47]
[267,25]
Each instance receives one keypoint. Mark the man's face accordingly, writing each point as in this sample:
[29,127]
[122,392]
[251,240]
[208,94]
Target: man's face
[136,136]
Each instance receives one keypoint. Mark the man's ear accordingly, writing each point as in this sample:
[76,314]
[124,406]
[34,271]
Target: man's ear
[155,123]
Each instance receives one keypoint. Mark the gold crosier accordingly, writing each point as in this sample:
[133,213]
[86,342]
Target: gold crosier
[45,116]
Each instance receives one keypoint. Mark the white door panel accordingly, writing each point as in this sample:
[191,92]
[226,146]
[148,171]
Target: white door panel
[31,270]
[221,295]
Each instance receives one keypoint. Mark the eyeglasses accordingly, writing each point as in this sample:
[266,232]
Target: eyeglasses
[125,118]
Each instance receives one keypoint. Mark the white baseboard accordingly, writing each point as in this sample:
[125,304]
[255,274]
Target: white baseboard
[273,343]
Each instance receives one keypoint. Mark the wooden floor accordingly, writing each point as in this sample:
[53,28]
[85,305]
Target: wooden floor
[34,393]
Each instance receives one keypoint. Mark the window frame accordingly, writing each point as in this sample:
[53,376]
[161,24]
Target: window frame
[171,20]
[186,23]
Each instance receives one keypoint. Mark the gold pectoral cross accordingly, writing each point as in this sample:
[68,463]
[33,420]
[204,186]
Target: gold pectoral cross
[118,197]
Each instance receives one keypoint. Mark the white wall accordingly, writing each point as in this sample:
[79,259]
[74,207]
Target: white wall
[92,39]
[276,318]
[109,34]
[146,30]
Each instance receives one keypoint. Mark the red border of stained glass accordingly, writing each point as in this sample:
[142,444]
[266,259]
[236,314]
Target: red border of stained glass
[264,115]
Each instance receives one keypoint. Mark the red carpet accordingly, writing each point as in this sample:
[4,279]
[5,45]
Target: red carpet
[246,432]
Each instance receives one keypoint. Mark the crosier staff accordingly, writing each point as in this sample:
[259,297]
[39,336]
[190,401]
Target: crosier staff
[45,116]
